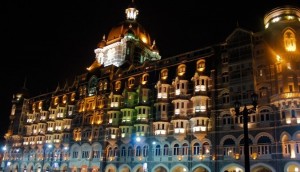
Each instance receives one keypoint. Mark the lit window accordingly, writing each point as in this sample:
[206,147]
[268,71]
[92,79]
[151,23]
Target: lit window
[201,65]
[289,40]
[145,78]
[181,70]
[164,74]
[118,85]
[130,82]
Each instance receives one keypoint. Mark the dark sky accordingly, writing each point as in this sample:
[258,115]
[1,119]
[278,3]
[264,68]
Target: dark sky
[47,41]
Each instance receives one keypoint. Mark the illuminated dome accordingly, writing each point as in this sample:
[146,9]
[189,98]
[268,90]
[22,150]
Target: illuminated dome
[131,25]
[282,14]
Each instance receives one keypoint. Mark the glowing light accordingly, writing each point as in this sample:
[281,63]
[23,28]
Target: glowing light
[138,139]
[276,19]
[267,26]
[278,58]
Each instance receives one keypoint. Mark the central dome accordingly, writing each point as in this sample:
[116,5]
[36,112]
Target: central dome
[130,25]
[126,27]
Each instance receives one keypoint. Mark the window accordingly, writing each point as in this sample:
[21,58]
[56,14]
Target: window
[118,85]
[225,98]
[289,40]
[145,78]
[181,70]
[196,149]
[201,65]
[176,149]
[166,150]
[164,74]
[138,151]
[157,150]
[130,82]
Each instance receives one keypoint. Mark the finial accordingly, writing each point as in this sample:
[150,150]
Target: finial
[237,23]
[103,38]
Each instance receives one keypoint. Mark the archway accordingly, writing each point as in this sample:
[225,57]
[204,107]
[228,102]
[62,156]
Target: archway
[160,169]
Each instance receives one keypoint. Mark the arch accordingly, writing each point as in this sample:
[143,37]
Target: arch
[202,166]
[296,136]
[259,165]
[232,166]
[46,166]
[223,92]
[259,135]
[289,39]
[179,166]
[291,165]
[285,136]
[64,167]
[241,137]
[227,137]
[137,167]
[110,168]
[160,168]
[124,168]
[15,167]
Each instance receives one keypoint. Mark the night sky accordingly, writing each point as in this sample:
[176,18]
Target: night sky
[46,42]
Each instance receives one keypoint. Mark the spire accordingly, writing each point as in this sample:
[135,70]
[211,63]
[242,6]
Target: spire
[57,88]
[237,23]
[24,84]
[131,12]
[66,86]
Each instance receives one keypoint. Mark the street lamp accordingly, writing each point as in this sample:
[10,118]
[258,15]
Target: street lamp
[245,113]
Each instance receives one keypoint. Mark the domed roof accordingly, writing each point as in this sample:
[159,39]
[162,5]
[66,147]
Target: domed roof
[130,25]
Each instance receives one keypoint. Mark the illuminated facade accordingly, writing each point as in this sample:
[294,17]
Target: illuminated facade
[133,111]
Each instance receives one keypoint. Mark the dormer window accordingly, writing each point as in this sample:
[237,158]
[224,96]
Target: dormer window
[40,105]
[200,65]
[64,99]
[55,100]
[118,85]
[289,40]
[164,74]
[33,107]
[130,82]
[145,78]
[73,97]
[181,70]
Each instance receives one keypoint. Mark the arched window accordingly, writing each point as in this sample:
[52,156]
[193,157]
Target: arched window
[185,149]
[289,40]
[164,74]
[130,82]
[145,151]
[138,151]
[166,150]
[264,145]
[196,149]
[201,65]
[157,150]
[145,78]
[181,69]
[118,85]
[176,149]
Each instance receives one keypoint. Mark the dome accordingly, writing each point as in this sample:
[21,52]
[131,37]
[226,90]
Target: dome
[129,27]
[285,13]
